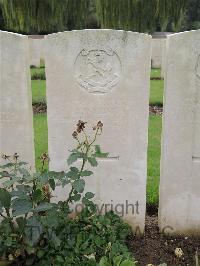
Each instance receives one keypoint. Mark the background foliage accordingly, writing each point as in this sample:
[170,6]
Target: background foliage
[47,16]
[192,16]
[139,15]
[36,16]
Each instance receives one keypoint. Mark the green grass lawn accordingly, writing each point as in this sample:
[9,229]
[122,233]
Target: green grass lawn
[38,91]
[155,127]
[156,92]
[155,124]
[41,137]
[155,73]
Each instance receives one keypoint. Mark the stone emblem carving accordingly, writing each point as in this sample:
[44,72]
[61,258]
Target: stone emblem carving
[97,70]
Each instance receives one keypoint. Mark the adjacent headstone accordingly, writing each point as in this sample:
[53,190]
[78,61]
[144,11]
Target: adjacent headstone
[36,53]
[157,50]
[102,75]
[16,119]
[163,63]
[179,210]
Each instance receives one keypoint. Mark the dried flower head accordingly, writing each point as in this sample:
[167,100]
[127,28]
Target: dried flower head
[5,157]
[15,156]
[100,125]
[80,126]
[75,135]
[44,157]
[47,191]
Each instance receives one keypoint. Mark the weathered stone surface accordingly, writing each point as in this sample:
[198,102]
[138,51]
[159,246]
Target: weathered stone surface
[102,75]
[16,120]
[179,210]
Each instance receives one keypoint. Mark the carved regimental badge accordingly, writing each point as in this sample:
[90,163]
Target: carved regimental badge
[98,70]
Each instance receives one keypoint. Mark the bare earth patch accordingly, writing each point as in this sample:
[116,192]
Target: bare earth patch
[39,108]
[155,110]
[153,248]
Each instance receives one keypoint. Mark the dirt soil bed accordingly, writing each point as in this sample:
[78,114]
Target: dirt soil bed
[157,78]
[155,110]
[153,248]
[39,108]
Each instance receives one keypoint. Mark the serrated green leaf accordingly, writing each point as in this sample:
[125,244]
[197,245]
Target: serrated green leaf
[89,195]
[21,206]
[127,263]
[104,262]
[52,183]
[76,197]
[1,207]
[51,220]
[55,240]
[92,161]
[8,183]
[37,195]
[57,175]
[44,179]
[33,230]
[64,182]
[5,198]
[85,201]
[72,175]
[72,158]
[21,221]
[43,207]
[7,165]
[99,153]
[4,174]
[21,191]
[24,172]
[89,204]
[86,173]
[97,149]
[22,163]
[79,185]
[117,260]
[102,155]
[74,170]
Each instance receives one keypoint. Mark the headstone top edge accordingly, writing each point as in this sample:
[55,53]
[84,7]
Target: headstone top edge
[52,35]
[14,34]
[181,34]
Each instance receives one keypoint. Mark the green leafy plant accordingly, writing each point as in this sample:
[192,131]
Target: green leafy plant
[116,261]
[35,231]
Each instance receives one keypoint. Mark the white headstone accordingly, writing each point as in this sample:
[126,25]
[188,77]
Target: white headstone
[36,49]
[163,63]
[179,210]
[102,75]
[16,118]
[157,50]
